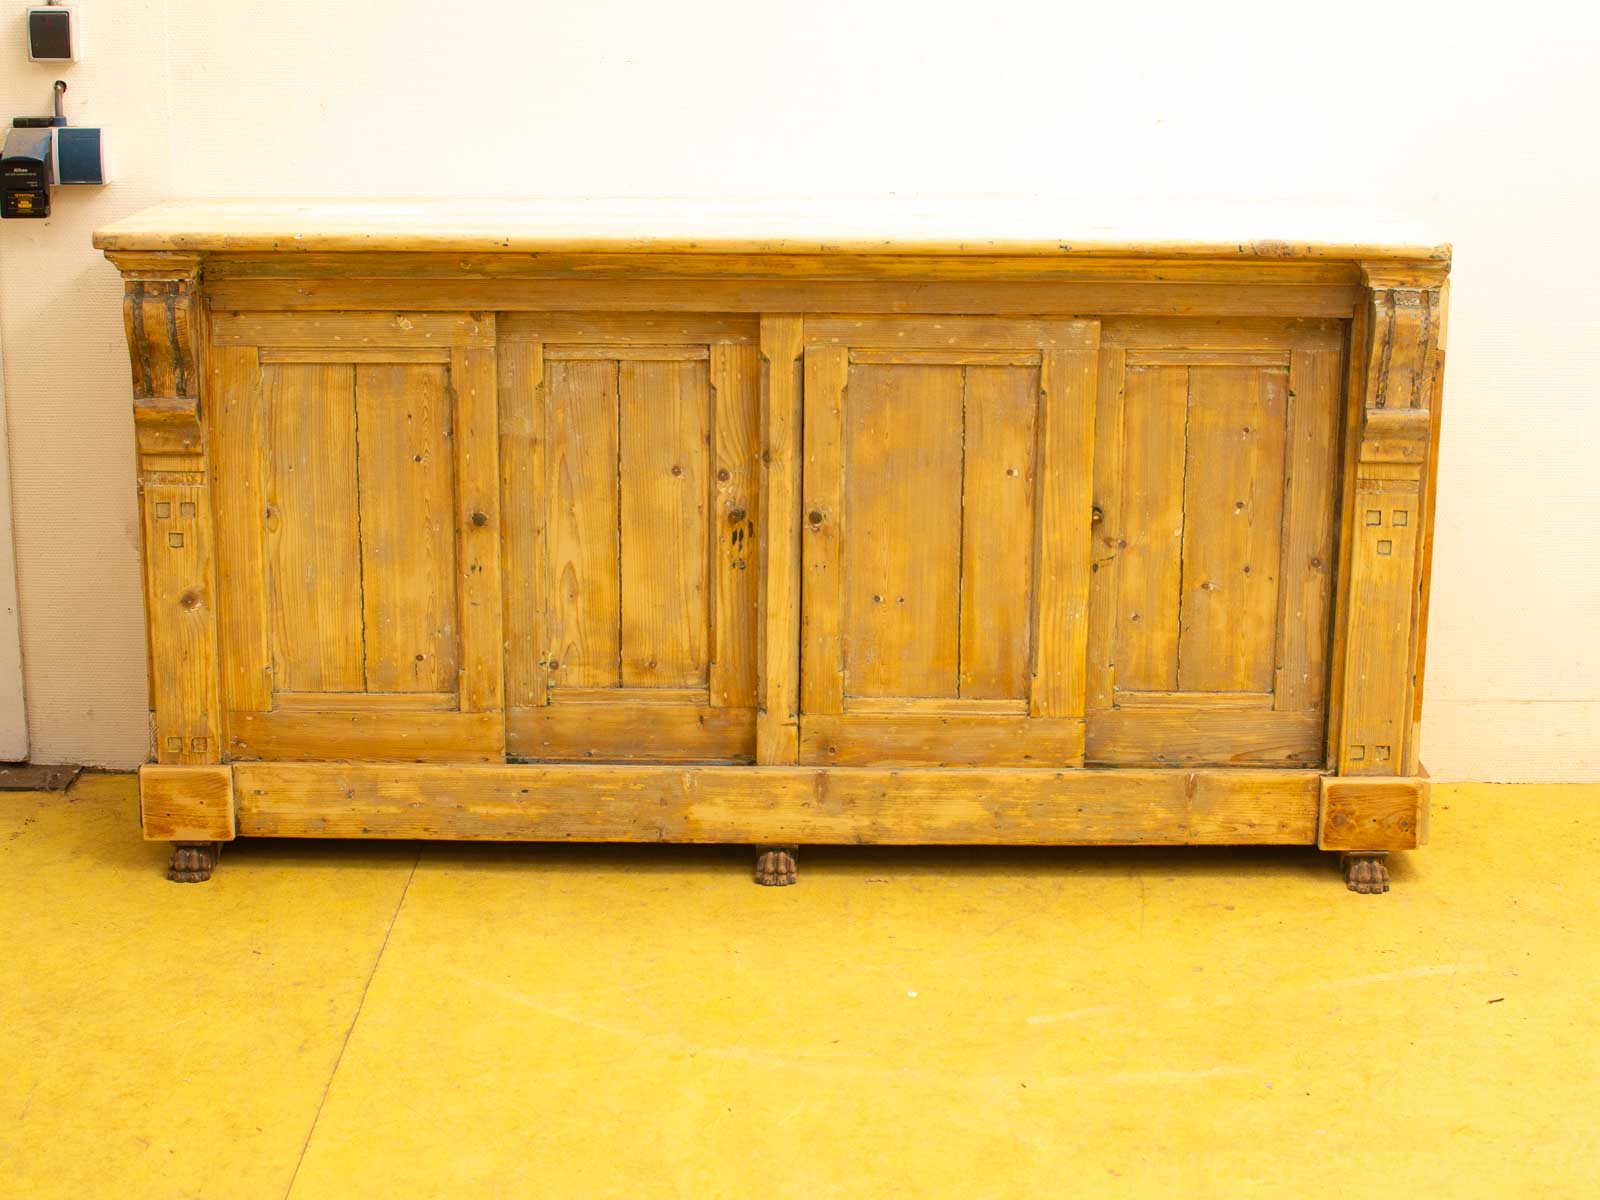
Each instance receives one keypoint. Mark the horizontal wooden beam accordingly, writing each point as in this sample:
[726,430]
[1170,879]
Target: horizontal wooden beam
[390,734]
[955,297]
[777,804]
[426,265]
[1224,736]
[627,729]
[932,739]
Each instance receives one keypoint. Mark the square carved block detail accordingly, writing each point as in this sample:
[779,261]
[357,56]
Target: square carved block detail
[1373,814]
[186,803]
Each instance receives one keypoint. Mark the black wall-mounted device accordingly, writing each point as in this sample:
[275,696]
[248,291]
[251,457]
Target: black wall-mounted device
[25,172]
[52,35]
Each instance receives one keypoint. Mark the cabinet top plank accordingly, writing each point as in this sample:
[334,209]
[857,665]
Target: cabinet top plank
[894,224]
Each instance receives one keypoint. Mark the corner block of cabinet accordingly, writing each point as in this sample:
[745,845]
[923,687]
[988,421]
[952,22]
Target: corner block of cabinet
[187,803]
[1371,814]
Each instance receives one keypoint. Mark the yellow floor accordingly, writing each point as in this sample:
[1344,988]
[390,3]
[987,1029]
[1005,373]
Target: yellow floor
[389,1020]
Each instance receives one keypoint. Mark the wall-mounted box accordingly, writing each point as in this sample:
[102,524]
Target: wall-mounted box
[53,35]
[26,172]
[79,156]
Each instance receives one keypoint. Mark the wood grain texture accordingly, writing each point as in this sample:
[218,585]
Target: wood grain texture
[1107,538]
[373,734]
[952,334]
[808,805]
[1412,763]
[1225,735]
[584,616]
[1068,379]
[625,330]
[1372,814]
[1396,435]
[1305,602]
[998,487]
[479,585]
[313,530]
[596,414]
[778,662]
[1233,485]
[181,608]
[341,331]
[950,739]
[663,456]
[735,522]
[405,480]
[429,265]
[247,298]
[1064,268]
[1379,660]
[822,665]
[525,513]
[369,701]
[624,731]
[879,224]
[901,547]
[1150,558]
[186,804]
[239,461]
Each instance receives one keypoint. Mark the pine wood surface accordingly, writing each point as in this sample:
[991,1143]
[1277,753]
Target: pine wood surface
[777,804]
[869,224]
[943,515]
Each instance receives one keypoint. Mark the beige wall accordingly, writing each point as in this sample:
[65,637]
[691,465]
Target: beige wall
[1479,125]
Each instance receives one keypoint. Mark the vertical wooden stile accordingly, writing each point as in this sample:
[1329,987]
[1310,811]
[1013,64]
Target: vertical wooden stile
[1068,379]
[524,508]
[777,722]
[735,520]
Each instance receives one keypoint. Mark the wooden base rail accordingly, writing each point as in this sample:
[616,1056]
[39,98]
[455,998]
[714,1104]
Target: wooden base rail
[780,807]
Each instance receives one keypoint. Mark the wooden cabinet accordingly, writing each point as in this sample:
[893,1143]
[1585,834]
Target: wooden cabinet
[1215,551]
[946,538]
[357,507]
[632,500]
[572,532]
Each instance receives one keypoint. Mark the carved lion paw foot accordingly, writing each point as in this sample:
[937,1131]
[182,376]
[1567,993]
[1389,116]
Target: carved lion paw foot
[193,862]
[1366,873]
[775,866]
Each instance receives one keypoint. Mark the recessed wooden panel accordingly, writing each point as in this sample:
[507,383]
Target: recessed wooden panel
[1215,473]
[631,466]
[406,481]
[584,634]
[902,503]
[1149,566]
[313,533]
[939,568]
[998,479]
[360,533]
[1233,484]
[663,495]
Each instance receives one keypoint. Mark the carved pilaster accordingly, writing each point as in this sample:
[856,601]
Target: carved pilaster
[162,314]
[1402,359]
